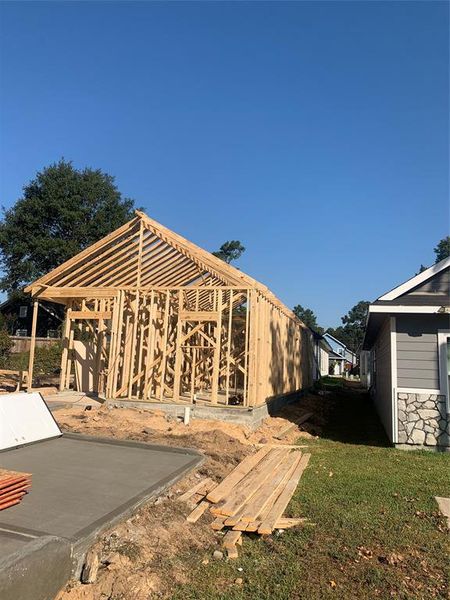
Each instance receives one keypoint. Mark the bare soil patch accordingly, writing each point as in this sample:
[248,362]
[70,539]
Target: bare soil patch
[140,559]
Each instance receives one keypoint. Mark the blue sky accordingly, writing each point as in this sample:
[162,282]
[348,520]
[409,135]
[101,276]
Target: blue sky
[316,133]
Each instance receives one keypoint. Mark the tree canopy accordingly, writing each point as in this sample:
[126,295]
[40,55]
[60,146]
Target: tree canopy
[229,251]
[308,317]
[442,250]
[62,211]
[353,328]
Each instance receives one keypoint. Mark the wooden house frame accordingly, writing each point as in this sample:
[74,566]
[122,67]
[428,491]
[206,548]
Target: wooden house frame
[167,321]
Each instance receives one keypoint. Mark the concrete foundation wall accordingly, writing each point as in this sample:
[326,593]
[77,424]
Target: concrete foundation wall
[251,417]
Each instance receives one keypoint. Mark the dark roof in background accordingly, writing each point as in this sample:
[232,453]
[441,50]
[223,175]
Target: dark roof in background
[416,300]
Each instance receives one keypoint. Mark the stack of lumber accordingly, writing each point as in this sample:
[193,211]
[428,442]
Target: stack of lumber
[254,496]
[13,487]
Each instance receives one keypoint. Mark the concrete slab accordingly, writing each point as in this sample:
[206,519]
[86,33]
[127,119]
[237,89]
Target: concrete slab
[81,482]
[81,486]
[11,542]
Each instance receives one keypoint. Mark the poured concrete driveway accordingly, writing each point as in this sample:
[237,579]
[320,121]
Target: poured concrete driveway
[81,486]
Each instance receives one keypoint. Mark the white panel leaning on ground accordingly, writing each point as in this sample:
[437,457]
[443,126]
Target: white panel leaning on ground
[25,418]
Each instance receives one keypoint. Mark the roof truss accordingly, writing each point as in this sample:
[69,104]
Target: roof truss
[142,254]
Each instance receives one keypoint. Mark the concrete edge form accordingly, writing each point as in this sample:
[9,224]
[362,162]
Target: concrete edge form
[37,571]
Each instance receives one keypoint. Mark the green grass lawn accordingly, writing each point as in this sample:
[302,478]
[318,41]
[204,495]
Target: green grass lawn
[377,531]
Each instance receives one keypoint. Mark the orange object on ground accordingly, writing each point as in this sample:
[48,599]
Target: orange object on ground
[13,487]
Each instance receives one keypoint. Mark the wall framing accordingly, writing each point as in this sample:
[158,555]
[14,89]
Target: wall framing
[163,320]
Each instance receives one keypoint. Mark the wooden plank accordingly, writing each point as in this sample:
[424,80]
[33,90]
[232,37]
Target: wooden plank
[275,513]
[228,355]
[290,446]
[231,538]
[90,314]
[65,351]
[241,525]
[133,344]
[32,345]
[288,522]
[199,315]
[238,473]
[164,345]
[251,484]
[217,349]
[268,490]
[90,567]
[232,552]
[218,523]
[197,488]
[291,426]
[197,512]
[254,525]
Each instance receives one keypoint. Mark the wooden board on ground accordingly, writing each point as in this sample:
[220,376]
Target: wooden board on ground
[253,497]
[197,512]
[199,488]
[236,475]
[291,426]
[282,501]
[251,484]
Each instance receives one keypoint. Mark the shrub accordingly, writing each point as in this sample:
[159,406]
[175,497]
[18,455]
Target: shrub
[46,360]
[5,346]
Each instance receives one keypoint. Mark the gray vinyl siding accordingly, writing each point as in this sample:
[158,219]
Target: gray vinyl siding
[438,284]
[417,350]
[383,378]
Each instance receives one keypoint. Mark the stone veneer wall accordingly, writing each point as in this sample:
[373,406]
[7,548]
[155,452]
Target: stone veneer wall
[422,419]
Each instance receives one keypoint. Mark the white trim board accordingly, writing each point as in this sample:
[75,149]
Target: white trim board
[418,391]
[381,308]
[414,281]
[442,335]
[394,408]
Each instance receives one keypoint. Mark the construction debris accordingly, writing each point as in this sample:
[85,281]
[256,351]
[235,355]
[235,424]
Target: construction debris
[13,487]
[293,425]
[90,568]
[253,497]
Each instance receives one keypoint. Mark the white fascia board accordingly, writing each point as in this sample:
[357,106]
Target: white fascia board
[443,334]
[414,281]
[394,409]
[380,308]
[337,341]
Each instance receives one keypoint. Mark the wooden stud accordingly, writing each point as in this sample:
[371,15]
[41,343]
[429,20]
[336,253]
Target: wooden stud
[32,344]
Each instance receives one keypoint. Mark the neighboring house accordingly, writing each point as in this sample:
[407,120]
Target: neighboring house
[18,316]
[364,368]
[322,350]
[408,336]
[340,355]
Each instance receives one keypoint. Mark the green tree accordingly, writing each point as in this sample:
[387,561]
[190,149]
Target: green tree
[442,250]
[230,251]
[308,317]
[62,211]
[354,326]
